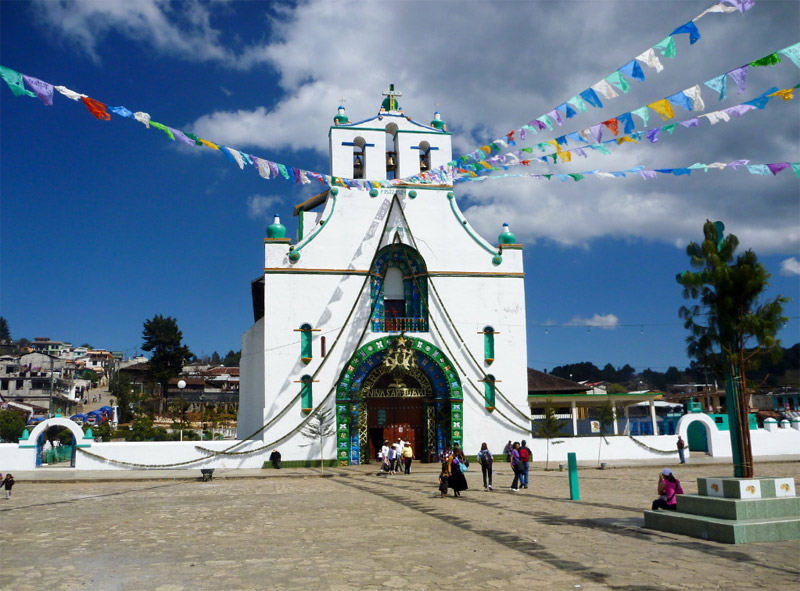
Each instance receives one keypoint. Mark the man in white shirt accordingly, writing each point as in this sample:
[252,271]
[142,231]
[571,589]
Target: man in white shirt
[392,458]
[385,456]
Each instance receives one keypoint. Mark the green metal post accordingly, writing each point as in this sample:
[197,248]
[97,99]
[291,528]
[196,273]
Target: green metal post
[574,489]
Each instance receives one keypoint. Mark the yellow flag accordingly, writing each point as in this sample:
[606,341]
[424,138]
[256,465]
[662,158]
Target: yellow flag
[663,108]
[207,143]
[786,94]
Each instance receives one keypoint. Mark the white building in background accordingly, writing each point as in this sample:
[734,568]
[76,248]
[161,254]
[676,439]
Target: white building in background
[388,310]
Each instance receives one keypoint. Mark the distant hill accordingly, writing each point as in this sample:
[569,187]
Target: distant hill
[784,372]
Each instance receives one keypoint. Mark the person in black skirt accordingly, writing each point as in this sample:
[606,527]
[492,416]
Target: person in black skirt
[457,481]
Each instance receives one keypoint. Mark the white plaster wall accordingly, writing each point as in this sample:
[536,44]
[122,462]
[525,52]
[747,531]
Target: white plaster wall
[609,448]
[719,442]
[13,458]
[251,381]
[619,448]
[782,442]
[407,145]
[351,235]
[163,453]
[374,132]
[342,156]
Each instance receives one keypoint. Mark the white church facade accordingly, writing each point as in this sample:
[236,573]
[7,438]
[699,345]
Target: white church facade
[388,311]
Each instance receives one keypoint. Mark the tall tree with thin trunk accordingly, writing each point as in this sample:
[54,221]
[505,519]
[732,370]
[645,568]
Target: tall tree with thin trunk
[605,416]
[319,427]
[549,427]
[731,326]
[162,336]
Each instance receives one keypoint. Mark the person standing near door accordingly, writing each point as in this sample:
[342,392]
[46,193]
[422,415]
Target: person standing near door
[392,458]
[384,456]
[681,446]
[408,455]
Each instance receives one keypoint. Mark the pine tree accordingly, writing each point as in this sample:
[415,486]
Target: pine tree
[5,333]
[730,327]
[162,336]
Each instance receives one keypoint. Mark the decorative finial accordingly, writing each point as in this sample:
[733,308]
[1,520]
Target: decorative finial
[276,230]
[341,117]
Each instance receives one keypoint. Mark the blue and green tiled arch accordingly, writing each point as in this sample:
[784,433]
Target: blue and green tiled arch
[445,383]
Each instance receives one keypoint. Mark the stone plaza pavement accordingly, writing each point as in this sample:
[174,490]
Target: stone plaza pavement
[291,529]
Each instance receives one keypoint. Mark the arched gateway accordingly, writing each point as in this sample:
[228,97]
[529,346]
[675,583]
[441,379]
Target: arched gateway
[397,387]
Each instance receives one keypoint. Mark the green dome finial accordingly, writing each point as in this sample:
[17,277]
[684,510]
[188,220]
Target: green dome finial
[276,230]
[437,122]
[341,118]
[507,237]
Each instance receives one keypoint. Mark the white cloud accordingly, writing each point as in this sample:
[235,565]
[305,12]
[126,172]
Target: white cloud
[790,266]
[605,321]
[492,67]
[180,29]
[260,206]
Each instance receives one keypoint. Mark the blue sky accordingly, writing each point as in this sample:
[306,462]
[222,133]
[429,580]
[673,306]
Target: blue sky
[105,224]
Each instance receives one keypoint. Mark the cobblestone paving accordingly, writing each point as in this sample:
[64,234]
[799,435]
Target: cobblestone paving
[356,530]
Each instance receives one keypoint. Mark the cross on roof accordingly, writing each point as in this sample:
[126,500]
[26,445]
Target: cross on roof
[392,93]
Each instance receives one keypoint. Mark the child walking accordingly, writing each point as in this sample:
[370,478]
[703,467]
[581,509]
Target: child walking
[443,479]
[7,484]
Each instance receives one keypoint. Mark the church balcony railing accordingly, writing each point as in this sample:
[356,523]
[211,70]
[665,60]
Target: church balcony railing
[399,324]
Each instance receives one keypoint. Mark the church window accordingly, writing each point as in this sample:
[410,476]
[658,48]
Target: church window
[305,342]
[424,156]
[489,392]
[322,346]
[399,290]
[359,158]
[488,344]
[391,153]
[306,394]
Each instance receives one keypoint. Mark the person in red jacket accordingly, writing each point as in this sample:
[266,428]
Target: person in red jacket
[525,463]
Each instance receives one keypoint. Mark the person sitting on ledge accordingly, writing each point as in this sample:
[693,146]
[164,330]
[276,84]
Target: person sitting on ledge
[275,458]
[668,488]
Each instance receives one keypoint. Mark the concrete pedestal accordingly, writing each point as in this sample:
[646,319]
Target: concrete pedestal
[734,511]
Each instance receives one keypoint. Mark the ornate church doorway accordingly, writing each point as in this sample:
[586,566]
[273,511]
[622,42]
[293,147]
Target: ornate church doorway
[394,399]
[397,388]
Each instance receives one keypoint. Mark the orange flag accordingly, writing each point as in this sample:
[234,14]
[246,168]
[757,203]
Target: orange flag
[612,124]
[96,108]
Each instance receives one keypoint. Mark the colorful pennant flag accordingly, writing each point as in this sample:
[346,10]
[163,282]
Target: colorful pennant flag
[96,108]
